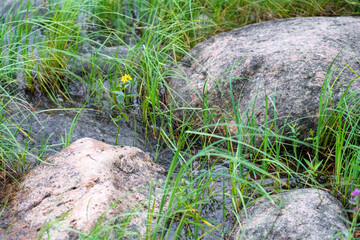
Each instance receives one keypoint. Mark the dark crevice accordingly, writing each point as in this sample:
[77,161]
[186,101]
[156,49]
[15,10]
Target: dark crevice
[39,202]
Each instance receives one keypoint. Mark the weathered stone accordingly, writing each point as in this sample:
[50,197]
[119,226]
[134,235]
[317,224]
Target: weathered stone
[80,185]
[286,60]
[308,214]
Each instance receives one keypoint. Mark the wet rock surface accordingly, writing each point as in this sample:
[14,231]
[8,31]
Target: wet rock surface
[78,186]
[286,60]
[50,127]
[309,214]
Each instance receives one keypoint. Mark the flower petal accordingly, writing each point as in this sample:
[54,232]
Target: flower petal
[355,192]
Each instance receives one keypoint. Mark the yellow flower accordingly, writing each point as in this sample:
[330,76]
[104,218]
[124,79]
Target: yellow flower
[126,78]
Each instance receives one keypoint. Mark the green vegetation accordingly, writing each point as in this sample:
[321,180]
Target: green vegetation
[42,45]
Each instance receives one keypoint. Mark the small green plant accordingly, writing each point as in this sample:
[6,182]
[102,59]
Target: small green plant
[66,140]
[122,97]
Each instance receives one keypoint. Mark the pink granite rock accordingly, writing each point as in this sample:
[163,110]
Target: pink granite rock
[78,186]
[286,60]
[303,214]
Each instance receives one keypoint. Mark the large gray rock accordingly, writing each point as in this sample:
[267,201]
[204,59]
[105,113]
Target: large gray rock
[78,187]
[286,58]
[308,214]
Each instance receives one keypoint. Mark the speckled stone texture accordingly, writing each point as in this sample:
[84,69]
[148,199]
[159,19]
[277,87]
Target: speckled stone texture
[78,186]
[304,214]
[286,60]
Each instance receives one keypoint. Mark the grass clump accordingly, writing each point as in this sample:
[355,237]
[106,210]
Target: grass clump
[16,154]
[61,42]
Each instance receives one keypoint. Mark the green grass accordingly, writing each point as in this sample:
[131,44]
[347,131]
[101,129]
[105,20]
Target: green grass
[16,158]
[159,33]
